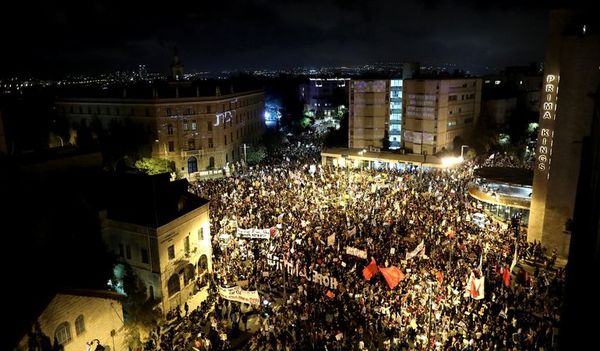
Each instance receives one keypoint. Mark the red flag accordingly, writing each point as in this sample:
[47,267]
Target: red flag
[370,270]
[393,276]
[506,276]
[473,289]
[330,294]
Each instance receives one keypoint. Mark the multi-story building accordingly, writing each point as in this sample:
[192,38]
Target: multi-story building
[162,231]
[195,132]
[368,113]
[571,64]
[324,96]
[74,318]
[439,113]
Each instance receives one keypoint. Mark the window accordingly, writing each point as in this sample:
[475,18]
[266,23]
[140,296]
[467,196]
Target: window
[185,125]
[231,136]
[208,109]
[209,126]
[451,98]
[211,162]
[168,111]
[128,251]
[188,111]
[173,285]
[468,120]
[79,325]
[210,143]
[63,333]
[121,250]
[225,136]
[191,144]
[451,123]
[171,146]
[186,244]
[193,125]
[144,253]
[201,234]
[171,251]
[170,129]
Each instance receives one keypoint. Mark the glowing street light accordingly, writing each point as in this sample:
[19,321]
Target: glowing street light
[451,161]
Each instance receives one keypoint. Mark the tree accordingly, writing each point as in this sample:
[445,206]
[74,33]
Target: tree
[256,153]
[153,166]
[140,314]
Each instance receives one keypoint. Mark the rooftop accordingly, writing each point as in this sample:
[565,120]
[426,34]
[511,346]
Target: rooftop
[150,201]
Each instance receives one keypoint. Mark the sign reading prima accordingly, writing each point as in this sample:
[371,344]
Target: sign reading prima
[546,128]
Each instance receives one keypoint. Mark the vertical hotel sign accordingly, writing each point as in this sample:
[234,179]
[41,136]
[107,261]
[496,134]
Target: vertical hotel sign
[546,128]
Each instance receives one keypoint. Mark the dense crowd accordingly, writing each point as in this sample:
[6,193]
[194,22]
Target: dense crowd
[504,159]
[387,214]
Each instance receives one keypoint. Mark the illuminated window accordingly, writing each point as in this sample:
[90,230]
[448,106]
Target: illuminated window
[79,325]
[63,333]
[171,252]
[185,125]
[193,125]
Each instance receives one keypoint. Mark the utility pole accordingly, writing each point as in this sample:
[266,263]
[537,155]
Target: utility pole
[245,159]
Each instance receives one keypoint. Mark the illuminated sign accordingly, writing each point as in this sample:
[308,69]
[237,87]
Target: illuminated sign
[546,129]
[224,117]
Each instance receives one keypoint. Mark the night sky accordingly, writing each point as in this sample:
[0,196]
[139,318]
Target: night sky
[49,38]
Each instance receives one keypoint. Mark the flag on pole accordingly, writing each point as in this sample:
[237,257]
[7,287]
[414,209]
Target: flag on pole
[370,270]
[514,261]
[393,276]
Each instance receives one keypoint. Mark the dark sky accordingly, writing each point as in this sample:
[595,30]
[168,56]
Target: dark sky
[52,38]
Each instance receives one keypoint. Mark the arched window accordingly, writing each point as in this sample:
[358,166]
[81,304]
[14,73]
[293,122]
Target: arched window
[211,162]
[173,285]
[202,264]
[79,325]
[192,165]
[63,333]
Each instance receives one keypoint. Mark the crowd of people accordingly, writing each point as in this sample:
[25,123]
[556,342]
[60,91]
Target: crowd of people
[504,159]
[314,213]
[386,214]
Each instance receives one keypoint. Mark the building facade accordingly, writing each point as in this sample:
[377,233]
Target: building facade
[170,251]
[438,113]
[368,113]
[323,96]
[74,318]
[571,64]
[196,133]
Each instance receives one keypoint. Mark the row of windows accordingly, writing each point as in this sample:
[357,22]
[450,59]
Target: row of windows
[186,244]
[462,97]
[191,143]
[125,252]
[63,332]
[98,110]
[192,125]
[232,105]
